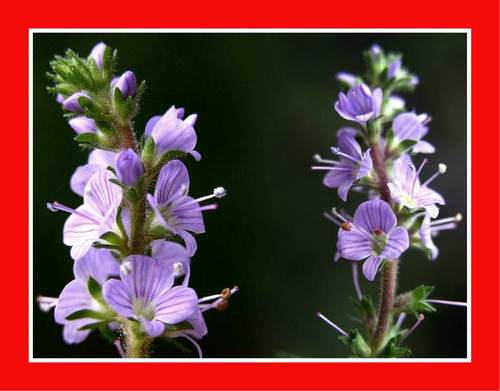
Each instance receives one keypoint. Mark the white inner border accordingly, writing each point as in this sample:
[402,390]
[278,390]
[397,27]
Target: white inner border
[250,360]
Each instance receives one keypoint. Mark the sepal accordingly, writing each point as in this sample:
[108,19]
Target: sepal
[392,350]
[413,302]
[357,344]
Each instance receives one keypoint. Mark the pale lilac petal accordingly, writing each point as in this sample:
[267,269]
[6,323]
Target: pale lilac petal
[432,210]
[426,237]
[349,145]
[169,252]
[189,241]
[101,195]
[376,214]
[150,125]
[82,176]
[366,165]
[427,196]
[423,147]
[102,158]
[83,124]
[171,132]
[347,78]
[108,222]
[152,328]
[397,243]
[176,305]
[370,267]
[353,245]
[188,216]
[98,263]
[72,335]
[199,327]
[396,194]
[377,97]
[74,297]
[407,126]
[173,183]
[147,277]
[339,175]
[80,233]
[343,189]
[116,294]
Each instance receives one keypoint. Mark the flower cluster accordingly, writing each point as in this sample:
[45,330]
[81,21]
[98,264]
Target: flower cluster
[133,237]
[375,157]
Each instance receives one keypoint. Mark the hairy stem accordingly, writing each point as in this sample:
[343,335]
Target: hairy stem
[389,270]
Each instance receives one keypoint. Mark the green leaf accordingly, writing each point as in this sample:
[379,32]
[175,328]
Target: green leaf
[95,289]
[148,150]
[392,350]
[413,302]
[87,314]
[117,182]
[132,195]
[88,138]
[112,238]
[119,222]
[92,109]
[357,344]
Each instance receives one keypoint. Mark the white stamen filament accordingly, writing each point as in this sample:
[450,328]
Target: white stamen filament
[456,303]
[219,192]
[336,168]
[441,170]
[420,319]
[56,206]
[332,219]
[328,321]
[456,218]
[318,159]
[219,298]
[337,151]
[338,215]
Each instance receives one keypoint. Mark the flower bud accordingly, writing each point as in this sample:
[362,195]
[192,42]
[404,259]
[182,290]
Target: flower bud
[83,125]
[71,103]
[60,98]
[97,54]
[128,167]
[127,84]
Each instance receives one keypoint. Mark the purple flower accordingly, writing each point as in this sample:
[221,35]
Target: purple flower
[353,164]
[409,126]
[83,124]
[173,254]
[360,104]
[71,103]
[393,69]
[431,228]
[97,53]
[373,235]
[98,161]
[347,78]
[128,167]
[406,188]
[98,264]
[95,217]
[174,209]
[127,84]
[146,293]
[171,132]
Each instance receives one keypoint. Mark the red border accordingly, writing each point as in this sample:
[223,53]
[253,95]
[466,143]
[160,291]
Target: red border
[481,373]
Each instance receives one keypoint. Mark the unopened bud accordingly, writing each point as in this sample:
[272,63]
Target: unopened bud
[71,103]
[127,84]
[128,167]
[97,54]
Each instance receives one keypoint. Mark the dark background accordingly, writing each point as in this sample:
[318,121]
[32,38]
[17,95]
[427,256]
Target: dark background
[265,106]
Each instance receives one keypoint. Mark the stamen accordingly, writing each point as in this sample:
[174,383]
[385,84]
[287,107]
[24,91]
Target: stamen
[338,215]
[55,206]
[416,176]
[225,294]
[378,232]
[346,226]
[206,207]
[126,268]
[420,319]
[222,305]
[331,218]
[356,280]
[46,303]
[456,218]
[318,159]
[336,168]
[328,321]
[456,303]
[441,170]
[336,151]
[118,345]
[443,227]
[219,192]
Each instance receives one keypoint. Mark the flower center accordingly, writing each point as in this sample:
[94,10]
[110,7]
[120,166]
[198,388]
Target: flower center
[379,241]
[141,308]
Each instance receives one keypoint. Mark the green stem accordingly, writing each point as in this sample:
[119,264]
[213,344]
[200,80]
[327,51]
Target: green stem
[136,345]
